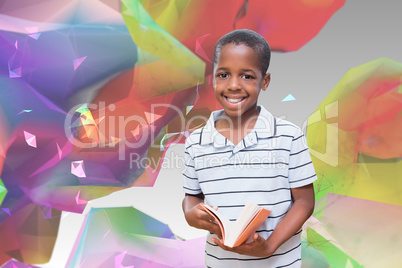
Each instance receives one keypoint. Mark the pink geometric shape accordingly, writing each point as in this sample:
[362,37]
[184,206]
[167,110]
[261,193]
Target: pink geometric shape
[59,152]
[82,262]
[119,259]
[77,169]
[15,73]
[6,210]
[113,141]
[106,233]
[56,159]
[31,30]
[78,200]
[198,48]
[151,118]
[137,130]
[30,139]
[2,153]
[77,62]
[34,36]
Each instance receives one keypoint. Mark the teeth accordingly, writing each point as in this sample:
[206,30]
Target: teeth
[234,100]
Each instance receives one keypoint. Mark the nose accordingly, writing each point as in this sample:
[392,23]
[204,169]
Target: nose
[234,83]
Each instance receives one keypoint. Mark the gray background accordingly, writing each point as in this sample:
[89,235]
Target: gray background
[361,31]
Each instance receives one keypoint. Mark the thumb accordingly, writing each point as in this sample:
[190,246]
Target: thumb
[257,238]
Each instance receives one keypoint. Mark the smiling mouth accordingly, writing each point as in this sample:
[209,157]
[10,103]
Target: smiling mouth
[234,101]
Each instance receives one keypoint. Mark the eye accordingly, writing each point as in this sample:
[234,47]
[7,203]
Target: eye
[223,75]
[247,76]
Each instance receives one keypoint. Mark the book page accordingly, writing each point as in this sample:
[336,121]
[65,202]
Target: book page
[246,216]
[225,224]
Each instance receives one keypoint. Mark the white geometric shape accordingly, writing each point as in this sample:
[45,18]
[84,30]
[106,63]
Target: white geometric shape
[289,98]
[77,62]
[78,169]
[30,139]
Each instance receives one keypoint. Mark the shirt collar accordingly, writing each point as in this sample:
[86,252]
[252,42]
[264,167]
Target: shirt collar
[265,127]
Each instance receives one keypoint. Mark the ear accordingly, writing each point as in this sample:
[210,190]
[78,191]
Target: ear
[265,81]
[213,76]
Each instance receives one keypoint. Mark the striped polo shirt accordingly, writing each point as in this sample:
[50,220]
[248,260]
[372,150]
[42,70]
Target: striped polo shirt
[261,169]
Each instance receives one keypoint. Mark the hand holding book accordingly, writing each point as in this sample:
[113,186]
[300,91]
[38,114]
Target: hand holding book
[240,231]
[197,217]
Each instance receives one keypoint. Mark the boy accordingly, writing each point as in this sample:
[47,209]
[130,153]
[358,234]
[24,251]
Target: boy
[244,154]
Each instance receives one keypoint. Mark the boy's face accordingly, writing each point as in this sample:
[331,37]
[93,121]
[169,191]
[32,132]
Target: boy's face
[238,79]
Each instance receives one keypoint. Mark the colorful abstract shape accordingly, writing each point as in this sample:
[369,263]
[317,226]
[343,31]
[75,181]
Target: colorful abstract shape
[17,264]
[368,128]
[166,67]
[28,232]
[355,140]
[80,88]
[286,25]
[357,231]
[3,191]
[127,237]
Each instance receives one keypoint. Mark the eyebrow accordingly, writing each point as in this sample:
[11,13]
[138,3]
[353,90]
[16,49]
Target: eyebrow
[248,70]
[243,70]
[222,69]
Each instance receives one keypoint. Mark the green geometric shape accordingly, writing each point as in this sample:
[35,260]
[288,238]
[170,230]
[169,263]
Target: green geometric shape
[83,109]
[312,257]
[128,220]
[3,191]
[324,185]
[335,256]
[164,65]
[320,208]
[188,108]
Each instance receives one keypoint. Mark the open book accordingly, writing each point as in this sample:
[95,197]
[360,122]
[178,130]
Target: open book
[249,220]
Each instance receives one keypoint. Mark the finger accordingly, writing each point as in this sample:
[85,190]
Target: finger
[216,241]
[258,239]
[220,244]
[215,229]
[203,215]
[212,227]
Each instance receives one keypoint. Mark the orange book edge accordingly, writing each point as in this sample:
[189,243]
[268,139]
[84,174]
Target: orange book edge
[218,221]
[253,226]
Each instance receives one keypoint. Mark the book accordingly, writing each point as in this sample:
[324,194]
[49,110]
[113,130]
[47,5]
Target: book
[237,232]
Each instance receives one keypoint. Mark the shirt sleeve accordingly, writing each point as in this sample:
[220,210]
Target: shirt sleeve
[301,169]
[190,180]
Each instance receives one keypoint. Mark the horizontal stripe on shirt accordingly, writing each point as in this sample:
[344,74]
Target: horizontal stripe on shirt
[255,259]
[245,178]
[253,191]
[241,164]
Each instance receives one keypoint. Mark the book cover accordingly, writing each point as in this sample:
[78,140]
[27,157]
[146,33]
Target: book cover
[236,233]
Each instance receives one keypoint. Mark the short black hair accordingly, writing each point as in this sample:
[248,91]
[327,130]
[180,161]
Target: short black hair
[250,39]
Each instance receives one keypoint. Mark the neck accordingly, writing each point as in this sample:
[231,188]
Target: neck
[245,120]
